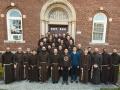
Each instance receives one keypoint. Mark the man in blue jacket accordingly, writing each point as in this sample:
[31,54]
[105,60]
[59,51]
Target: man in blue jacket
[75,62]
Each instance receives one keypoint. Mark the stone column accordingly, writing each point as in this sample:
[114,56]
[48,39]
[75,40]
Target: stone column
[46,26]
[42,30]
[70,28]
[73,30]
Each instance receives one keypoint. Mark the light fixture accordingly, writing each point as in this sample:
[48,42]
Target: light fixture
[2,15]
[12,4]
[24,16]
[101,8]
[90,18]
[110,19]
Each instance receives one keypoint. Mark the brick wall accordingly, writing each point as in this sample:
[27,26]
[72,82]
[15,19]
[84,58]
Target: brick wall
[84,10]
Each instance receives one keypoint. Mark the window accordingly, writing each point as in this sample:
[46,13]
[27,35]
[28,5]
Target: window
[14,25]
[99,28]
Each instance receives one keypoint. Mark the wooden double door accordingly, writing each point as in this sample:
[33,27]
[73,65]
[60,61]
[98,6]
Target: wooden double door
[58,29]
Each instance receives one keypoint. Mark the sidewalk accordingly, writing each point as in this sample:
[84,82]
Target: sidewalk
[25,85]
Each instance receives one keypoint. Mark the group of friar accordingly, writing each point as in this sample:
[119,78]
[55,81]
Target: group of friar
[57,57]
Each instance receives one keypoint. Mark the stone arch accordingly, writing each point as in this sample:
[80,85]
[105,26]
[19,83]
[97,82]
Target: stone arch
[51,6]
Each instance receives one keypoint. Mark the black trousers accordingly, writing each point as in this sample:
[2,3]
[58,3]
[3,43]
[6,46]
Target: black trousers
[65,74]
[74,73]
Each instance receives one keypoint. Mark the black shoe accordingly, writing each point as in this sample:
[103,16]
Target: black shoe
[71,81]
[30,81]
[53,82]
[63,82]
[56,82]
[105,83]
[67,83]
[41,82]
[76,81]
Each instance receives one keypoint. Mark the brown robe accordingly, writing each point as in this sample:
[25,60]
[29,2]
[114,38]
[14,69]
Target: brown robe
[63,45]
[55,60]
[114,61]
[55,40]
[96,67]
[91,56]
[33,63]
[7,62]
[67,43]
[105,68]
[26,65]
[43,63]
[49,41]
[85,65]
[19,71]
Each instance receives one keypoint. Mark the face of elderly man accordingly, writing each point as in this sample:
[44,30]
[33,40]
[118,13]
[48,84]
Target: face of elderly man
[60,47]
[34,52]
[55,51]
[19,49]
[8,49]
[49,46]
[86,51]
[114,50]
[28,50]
[96,50]
[79,46]
[66,51]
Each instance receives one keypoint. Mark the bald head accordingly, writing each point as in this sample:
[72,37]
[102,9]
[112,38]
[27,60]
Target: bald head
[43,48]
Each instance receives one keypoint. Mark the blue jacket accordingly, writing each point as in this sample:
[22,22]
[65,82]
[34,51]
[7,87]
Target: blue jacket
[75,59]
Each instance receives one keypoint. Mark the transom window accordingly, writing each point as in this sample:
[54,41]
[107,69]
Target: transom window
[99,28]
[58,14]
[14,25]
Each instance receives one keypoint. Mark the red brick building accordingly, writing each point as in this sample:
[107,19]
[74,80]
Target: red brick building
[90,22]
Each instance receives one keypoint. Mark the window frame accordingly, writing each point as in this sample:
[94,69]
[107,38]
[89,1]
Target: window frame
[8,18]
[104,22]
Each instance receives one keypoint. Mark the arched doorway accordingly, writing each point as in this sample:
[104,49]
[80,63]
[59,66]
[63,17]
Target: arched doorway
[58,16]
